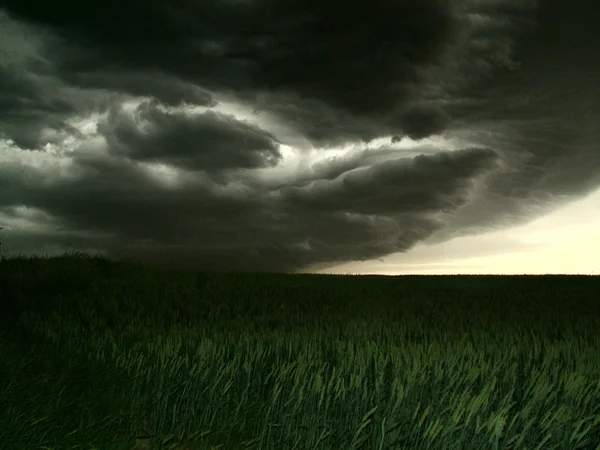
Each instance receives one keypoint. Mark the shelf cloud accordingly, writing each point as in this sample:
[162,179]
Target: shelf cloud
[284,135]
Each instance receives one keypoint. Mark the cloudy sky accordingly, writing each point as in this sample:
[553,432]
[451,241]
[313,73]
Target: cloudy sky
[375,136]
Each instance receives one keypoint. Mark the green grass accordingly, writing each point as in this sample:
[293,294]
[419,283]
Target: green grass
[94,350]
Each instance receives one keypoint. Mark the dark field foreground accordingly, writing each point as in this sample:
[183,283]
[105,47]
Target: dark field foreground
[107,355]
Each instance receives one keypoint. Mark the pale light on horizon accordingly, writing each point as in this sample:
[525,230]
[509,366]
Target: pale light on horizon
[566,241]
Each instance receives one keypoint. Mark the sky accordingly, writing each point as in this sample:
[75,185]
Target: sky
[375,136]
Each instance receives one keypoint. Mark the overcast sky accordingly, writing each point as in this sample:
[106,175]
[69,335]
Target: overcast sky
[375,136]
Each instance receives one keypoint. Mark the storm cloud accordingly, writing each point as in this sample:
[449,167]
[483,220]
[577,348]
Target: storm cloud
[284,135]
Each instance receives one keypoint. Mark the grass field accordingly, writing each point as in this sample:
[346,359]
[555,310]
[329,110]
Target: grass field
[111,355]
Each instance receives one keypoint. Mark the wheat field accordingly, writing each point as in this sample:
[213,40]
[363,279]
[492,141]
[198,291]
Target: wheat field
[114,355]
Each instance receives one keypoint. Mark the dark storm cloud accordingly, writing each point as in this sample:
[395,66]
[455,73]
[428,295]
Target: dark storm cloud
[27,107]
[37,98]
[319,122]
[422,184]
[422,121]
[544,117]
[200,141]
[168,90]
[220,227]
[360,62]
[514,84]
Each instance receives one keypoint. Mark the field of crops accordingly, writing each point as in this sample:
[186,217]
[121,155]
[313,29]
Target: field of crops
[106,355]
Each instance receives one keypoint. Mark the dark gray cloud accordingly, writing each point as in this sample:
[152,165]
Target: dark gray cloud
[202,141]
[168,90]
[117,132]
[437,183]
[358,61]
[225,227]
[422,121]
[27,107]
